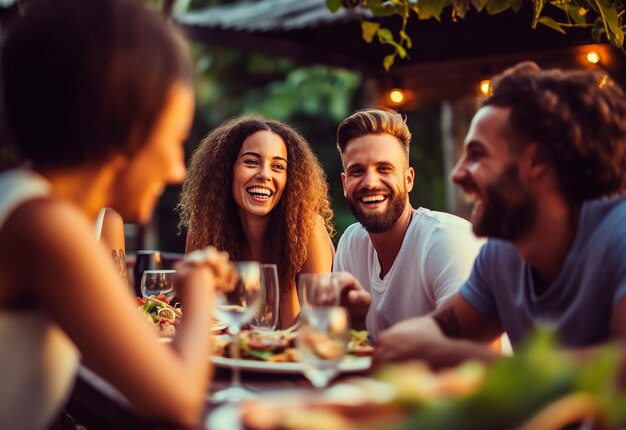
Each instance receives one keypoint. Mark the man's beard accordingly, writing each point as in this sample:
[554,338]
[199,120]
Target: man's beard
[508,210]
[377,222]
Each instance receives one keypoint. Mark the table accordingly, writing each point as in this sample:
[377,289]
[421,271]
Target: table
[97,405]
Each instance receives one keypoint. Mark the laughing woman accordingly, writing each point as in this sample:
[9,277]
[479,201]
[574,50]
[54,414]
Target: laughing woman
[256,190]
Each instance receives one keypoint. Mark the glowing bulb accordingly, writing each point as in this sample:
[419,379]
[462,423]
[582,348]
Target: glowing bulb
[396,95]
[593,57]
[485,87]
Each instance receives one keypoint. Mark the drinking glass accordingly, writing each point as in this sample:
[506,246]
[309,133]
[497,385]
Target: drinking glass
[322,342]
[266,318]
[155,282]
[146,260]
[235,308]
[318,289]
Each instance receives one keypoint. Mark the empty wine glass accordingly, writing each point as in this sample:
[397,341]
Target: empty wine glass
[318,289]
[266,318]
[155,282]
[235,308]
[322,342]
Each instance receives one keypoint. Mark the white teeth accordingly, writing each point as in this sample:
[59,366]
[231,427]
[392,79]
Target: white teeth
[370,199]
[471,198]
[259,192]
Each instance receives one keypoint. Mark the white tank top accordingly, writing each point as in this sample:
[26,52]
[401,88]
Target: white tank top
[38,362]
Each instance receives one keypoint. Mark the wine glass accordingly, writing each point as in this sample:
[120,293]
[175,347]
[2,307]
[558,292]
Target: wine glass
[155,282]
[236,307]
[146,259]
[322,342]
[266,318]
[318,289]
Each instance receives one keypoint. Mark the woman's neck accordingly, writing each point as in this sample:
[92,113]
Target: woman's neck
[254,229]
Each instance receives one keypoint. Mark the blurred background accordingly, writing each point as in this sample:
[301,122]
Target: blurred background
[295,61]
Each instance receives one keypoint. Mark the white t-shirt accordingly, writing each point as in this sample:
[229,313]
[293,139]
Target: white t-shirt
[436,257]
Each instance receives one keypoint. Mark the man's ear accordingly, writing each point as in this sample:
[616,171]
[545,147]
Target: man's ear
[536,163]
[409,178]
[343,183]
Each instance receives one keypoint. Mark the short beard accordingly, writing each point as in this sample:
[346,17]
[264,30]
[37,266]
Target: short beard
[379,223]
[508,210]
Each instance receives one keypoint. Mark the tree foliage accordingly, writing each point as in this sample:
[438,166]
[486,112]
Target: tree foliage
[604,18]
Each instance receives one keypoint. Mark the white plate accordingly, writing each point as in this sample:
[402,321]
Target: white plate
[348,365]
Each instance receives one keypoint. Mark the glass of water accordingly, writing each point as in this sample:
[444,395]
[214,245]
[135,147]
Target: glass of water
[266,317]
[235,307]
[318,289]
[322,342]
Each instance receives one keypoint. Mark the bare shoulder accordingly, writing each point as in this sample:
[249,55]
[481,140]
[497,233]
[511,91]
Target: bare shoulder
[320,249]
[44,234]
[113,230]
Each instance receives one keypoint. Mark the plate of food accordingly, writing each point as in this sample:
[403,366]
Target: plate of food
[275,352]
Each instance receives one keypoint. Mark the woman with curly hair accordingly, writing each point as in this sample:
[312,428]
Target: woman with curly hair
[256,190]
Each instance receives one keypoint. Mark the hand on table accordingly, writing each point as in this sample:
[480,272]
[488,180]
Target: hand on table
[411,339]
[354,298]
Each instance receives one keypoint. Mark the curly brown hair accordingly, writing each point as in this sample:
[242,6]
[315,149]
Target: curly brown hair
[208,208]
[578,120]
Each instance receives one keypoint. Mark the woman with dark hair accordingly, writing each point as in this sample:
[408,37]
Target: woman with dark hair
[256,190]
[98,99]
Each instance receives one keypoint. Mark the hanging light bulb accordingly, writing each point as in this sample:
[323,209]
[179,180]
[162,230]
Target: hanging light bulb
[593,57]
[485,87]
[396,96]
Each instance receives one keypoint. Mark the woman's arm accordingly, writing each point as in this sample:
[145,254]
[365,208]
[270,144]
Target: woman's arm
[112,236]
[189,242]
[320,255]
[320,250]
[72,280]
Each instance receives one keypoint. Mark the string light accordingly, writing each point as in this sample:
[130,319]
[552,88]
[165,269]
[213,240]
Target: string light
[396,95]
[593,57]
[485,87]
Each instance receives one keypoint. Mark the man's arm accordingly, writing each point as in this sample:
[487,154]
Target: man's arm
[446,337]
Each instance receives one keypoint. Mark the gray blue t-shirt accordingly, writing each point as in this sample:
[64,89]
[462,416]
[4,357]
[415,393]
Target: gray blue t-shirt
[579,304]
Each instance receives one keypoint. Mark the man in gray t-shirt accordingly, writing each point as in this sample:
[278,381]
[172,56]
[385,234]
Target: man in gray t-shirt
[541,156]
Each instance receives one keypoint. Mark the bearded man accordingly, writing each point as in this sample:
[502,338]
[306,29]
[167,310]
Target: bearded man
[409,261]
[545,163]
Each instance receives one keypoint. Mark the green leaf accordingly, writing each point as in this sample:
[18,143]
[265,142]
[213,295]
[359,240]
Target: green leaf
[574,11]
[333,5]
[478,4]
[432,9]
[406,39]
[516,5]
[549,22]
[388,61]
[368,30]
[384,35]
[497,6]
[611,21]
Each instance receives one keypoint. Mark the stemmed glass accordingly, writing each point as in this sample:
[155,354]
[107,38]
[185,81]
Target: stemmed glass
[266,318]
[235,308]
[318,289]
[155,282]
[322,342]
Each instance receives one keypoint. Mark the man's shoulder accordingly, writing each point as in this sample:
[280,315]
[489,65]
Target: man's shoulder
[440,224]
[355,233]
[442,219]
[604,217]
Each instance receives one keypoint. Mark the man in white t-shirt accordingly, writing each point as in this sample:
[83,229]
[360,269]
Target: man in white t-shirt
[409,261]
